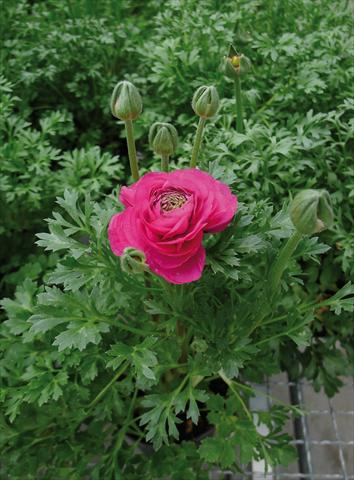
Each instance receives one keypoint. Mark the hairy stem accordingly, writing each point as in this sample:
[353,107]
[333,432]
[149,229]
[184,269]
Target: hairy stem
[131,150]
[283,333]
[282,261]
[197,142]
[239,111]
[164,163]
[252,390]
[274,277]
[229,383]
[108,386]
[123,430]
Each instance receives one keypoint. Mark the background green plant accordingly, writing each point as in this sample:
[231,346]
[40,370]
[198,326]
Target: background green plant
[69,338]
[34,171]
[59,63]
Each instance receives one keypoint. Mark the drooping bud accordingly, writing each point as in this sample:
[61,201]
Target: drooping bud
[133,261]
[311,211]
[163,138]
[205,101]
[235,64]
[126,103]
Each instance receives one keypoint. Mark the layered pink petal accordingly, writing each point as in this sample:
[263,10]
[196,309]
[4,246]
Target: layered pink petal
[190,271]
[170,224]
[124,231]
[224,208]
[174,255]
[130,196]
[166,216]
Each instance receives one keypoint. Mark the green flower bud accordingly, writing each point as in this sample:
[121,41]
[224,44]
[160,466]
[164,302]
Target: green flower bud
[199,346]
[205,101]
[163,138]
[133,261]
[311,211]
[126,103]
[235,64]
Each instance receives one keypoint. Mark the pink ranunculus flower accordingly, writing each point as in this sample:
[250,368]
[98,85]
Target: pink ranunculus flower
[165,217]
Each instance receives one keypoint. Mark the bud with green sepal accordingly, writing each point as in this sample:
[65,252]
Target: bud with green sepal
[133,261]
[205,104]
[126,104]
[311,211]
[163,139]
[234,66]
[199,346]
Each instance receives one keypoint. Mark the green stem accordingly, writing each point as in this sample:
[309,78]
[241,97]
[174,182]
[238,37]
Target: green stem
[239,112]
[229,383]
[253,391]
[282,261]
[197,142]
[164,163]
[274,277]
[302,309]
[129,328]
[178,389]
[123,430]
[182,333]
[131,150]
[108,386]
[282,334]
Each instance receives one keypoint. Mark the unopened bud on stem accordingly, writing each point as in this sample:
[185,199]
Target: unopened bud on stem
[133,261]
[236,64]
[163,138]
[311,211]
[206,101]
[126,103]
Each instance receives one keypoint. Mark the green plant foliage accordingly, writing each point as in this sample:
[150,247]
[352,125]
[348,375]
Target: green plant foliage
[62,339]
[33,172]
[109,375]
[67,56]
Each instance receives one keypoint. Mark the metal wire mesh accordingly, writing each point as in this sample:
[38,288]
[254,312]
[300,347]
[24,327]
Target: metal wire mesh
[319,457]
[324,436]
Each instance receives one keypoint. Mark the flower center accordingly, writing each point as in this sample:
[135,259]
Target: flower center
[171,200]
[235,60]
